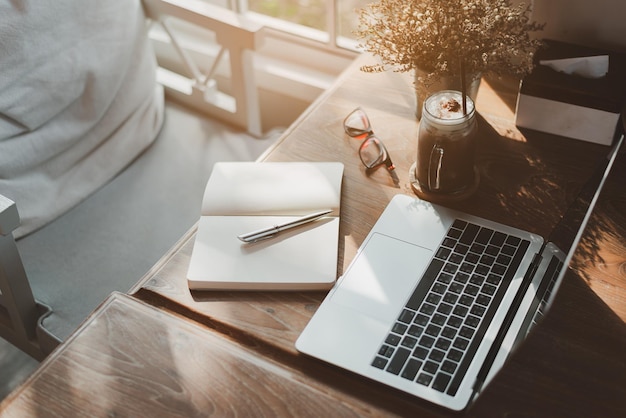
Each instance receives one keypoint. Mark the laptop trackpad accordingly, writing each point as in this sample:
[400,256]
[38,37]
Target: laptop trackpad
[382,278]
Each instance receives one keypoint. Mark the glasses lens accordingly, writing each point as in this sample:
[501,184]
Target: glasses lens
[357,123]
[372,152]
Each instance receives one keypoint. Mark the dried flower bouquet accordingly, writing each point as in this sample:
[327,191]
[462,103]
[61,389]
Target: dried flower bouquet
[436,36]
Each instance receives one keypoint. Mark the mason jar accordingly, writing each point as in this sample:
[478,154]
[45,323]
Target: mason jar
[446,144]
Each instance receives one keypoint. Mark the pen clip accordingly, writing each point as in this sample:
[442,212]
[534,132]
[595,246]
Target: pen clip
[252,240]
[260,235]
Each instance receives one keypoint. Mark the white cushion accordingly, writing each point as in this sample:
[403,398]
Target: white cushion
[78,100]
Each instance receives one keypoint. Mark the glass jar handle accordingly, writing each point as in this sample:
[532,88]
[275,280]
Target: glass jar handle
[434,168]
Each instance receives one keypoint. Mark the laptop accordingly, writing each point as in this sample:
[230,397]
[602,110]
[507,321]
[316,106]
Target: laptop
[435,299]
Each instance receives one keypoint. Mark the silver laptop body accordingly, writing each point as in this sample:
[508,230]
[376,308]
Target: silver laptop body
[372,324]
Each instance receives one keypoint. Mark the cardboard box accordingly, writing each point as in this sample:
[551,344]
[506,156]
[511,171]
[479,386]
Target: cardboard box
[570,105]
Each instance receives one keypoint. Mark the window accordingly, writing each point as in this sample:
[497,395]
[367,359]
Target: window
[329,21]
[305,45]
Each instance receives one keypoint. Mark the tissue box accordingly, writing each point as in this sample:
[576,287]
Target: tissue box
[571,105]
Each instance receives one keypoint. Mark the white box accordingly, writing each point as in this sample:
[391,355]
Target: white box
[572,106]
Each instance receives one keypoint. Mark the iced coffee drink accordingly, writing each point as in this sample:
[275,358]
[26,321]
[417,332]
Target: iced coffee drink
[446,142]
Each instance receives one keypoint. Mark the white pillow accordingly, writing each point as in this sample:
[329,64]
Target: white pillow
[78,100]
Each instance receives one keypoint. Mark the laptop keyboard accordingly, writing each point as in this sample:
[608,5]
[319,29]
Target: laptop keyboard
[444,321]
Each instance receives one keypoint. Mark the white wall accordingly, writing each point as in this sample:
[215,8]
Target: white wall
[596,23]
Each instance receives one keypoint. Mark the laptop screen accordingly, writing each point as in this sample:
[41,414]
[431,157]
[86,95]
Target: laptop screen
[541,285]
[567,233]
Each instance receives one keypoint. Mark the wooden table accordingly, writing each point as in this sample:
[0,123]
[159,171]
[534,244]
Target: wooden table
[164,351]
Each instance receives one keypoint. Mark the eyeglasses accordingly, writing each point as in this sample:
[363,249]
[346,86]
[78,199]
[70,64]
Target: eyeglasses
[372,151]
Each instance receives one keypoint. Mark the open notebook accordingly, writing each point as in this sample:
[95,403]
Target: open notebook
[241,197]
[435,299]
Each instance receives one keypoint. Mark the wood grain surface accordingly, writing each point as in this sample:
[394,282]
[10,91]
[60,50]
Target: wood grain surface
[159,365]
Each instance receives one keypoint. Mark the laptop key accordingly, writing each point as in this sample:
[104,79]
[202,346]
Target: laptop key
[433,298]
[433,330]
[398,360]
[415,331]
[456,287]
[508,250]
[478,310]
[513,240]
[439,319]
[450,298]
[483,299]
[459,224]
[472,290]
[477,279]
[424,379]
[498,239]
[421,319]
[450,332]
[445,278]
[460,343]
[445,308]
[427,309]
[484,235]
[448,366]
[494,279]
[406,316]
[427,341]
[392,339]
[441,382]
[460,310]
[488,289]
[455,355]
[455,321]
[469,234]
[380,362]
[443,344]
[431,367]
[492,250]
[466,300]
[466,332]
[420,353]
[439,288]
[411,369]
[408,342]
[399,328]
[443,253]
[472,321]
[436,355]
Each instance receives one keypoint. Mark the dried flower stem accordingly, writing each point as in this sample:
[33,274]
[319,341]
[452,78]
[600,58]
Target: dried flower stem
[463,85]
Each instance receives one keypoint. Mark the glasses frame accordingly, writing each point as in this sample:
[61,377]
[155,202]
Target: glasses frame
[369,138]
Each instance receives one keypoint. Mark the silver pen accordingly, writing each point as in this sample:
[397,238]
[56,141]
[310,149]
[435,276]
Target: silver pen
[266,233]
